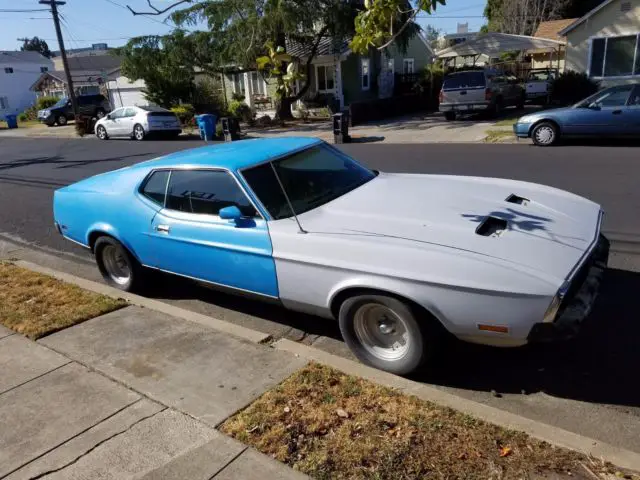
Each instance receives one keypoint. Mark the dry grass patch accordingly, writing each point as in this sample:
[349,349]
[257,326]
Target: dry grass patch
[330,425]
[36,305]
[497,136]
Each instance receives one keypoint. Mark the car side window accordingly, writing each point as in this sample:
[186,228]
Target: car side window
[614,97]
[117,113]
[634,100]
[130,112]
[206,192]
[155,187]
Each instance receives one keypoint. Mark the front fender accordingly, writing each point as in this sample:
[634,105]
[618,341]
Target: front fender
[112,231]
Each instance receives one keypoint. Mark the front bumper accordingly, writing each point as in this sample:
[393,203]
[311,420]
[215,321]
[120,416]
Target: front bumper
[521,130]
[579,299]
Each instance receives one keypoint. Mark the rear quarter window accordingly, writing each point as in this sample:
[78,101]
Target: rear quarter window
[155,187]
[456,81]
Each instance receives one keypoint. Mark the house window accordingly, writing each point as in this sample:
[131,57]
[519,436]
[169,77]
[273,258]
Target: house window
[407,66]
[44,69]
[364,71]
[615,56]
[237,83]
[257,84]
[8,70]
[4,103]
[325,75]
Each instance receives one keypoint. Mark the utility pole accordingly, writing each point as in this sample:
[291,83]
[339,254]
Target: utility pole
[56,21]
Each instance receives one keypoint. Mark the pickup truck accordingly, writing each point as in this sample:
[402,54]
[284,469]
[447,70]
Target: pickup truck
[538,84]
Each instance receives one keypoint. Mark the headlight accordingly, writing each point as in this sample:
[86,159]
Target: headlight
[552,311]
[47,113]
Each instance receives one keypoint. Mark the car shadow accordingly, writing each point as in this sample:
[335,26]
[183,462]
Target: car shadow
[599,142]
[599,366]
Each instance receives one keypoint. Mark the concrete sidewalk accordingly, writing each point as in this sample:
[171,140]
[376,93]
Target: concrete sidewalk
[132,394]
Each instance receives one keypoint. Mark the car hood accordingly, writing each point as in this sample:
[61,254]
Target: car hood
[552,113]
[546,235]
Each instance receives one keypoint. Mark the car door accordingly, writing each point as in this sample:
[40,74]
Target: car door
[189,238]
[127,121]
[112,122]
[605,113]
[633,112]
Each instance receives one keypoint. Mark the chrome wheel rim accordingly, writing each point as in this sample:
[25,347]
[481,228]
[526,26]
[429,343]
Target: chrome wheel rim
[102,133]
[62,120]
[545,135]
[116,264]
[381,332]
[138,132]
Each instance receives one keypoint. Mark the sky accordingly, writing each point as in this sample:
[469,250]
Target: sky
[108,21]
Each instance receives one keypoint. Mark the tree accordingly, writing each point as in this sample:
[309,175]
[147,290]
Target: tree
[432,36]
[578,8]
[158,60]
[36,44]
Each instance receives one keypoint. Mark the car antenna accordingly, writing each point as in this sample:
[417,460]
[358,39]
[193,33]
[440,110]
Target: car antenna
[302,230]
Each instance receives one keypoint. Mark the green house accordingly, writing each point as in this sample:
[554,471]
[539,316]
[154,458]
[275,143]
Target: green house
[340,75]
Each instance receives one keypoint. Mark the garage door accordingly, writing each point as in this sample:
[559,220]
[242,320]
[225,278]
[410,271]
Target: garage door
[128,97]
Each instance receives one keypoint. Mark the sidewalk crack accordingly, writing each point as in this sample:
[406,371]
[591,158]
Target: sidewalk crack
[87,452]
[229,463]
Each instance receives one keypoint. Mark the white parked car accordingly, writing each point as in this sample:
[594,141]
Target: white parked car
[138,123]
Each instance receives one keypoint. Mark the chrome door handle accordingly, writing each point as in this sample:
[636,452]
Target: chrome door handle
[163,228]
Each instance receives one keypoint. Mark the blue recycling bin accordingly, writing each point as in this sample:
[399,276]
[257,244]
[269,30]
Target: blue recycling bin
[12,121]
[207,126]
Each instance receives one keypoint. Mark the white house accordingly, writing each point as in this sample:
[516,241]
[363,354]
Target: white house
[18,71]
[123,91]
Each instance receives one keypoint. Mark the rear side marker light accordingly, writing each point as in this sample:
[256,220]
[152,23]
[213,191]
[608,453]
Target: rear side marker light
[493,328]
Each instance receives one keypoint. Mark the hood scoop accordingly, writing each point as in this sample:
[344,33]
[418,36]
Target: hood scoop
[513,198]
[492,227]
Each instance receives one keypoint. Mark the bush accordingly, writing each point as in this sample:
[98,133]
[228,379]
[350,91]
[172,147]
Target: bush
[238,97]
[184,112]
[46,102]
[241,111]
[22,117]
[570,87]
[378,109]
[207,97]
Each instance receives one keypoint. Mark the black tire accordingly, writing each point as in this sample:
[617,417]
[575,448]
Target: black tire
[545,134]
[100,113]
[61,120]
[138,132]
[498,107]
[423,337]
[449,116]
[521,102]
[130,279]
[101,133]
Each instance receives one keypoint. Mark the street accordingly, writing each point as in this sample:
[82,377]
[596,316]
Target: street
[588,386]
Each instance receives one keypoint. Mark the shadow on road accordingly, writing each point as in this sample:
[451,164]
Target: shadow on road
[600,366]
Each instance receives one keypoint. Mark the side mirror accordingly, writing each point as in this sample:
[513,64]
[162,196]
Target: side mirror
[230,213]
[109,117]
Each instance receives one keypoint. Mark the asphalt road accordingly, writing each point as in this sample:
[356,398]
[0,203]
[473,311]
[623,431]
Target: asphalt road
[588,386]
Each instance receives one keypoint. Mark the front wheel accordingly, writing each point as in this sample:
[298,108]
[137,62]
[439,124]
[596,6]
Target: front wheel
[118,267]
[384,332]
[61,120]
[545,134]
[101,133]
[138,132]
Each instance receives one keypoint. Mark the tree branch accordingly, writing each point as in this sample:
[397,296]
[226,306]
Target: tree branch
[308,65]
[402,29]
[156,10]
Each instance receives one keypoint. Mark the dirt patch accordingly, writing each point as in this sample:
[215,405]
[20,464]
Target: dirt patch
[330,425]
[36,305]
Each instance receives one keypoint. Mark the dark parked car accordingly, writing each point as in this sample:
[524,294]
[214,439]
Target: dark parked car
[612,112]
[91,105]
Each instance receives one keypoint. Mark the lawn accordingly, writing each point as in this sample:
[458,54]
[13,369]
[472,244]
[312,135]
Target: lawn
[330,425]
[496,136]
[507,122]
[36,305]
[27,124]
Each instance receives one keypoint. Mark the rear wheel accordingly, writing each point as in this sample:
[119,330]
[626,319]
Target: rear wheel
[101,133]
[545,134]
[138,132]
[450,116]
[116,264]
[384,332]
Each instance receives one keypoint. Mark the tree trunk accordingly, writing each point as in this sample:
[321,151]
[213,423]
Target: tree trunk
[283,109]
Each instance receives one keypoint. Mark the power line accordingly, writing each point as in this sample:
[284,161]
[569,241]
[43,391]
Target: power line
[9,10]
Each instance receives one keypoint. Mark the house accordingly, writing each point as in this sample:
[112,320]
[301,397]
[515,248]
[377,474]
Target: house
[339,75]
[122,91]
[550,58]
[463,35]
[88,72]
[18,70]
[605,43]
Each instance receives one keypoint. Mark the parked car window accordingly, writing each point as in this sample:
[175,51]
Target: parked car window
[130,112]
[464,80]
[155,188]
[117,113]
[634,100]
[311,178]
[611,97]
[206,192]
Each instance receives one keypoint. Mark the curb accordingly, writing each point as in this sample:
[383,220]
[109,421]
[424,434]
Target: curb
[215,323]
[618,456]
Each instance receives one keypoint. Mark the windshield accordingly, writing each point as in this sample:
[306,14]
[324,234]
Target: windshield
[311,178]
[61,103]
[464,80]
[541,76]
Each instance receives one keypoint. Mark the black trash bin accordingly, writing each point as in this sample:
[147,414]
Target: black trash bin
[230,128]
[341,127]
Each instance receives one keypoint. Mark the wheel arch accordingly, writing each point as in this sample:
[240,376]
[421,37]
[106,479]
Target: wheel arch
[104,230]
[545,120]
[341,294]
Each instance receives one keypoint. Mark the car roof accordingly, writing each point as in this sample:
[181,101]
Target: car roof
[234,155]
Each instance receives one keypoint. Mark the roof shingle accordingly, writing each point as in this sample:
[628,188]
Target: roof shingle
[551,28]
